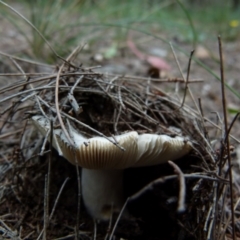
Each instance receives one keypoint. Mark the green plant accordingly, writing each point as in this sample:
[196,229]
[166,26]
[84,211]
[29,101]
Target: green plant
[48,17]
[65,23]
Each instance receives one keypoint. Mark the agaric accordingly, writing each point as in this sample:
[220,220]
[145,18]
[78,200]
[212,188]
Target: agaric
[103,162]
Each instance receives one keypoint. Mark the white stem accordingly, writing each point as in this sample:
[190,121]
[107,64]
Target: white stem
[102,192]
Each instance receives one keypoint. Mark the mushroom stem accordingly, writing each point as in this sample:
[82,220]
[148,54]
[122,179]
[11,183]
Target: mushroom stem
[102,192]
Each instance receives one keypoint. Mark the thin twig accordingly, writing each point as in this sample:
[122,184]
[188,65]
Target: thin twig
[24,60]
[147,93]
[188,73]
[115,78]
[55,204]
[202,119]
[231,125]
[57,100]
[211,228]
[57,199]
[227,137]
[75,84]
[118,219]
[79,196]
[120,97]
[95,230]
[49,168]
[179,67]
[117,119]
[26,91]
[131,78]
[46,78]
[47,187]
[74,104]
[228,221]
[151,185]
[45,209]
[182,187]
[207,219]
[109,224]
[45,142]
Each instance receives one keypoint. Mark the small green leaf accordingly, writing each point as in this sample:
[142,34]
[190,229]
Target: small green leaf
[233,111]
[111,51]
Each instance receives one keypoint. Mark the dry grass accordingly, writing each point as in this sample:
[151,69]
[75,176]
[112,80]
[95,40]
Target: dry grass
[40,191]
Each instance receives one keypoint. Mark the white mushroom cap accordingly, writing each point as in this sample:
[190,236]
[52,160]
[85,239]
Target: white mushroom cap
[100,153]
[155,149]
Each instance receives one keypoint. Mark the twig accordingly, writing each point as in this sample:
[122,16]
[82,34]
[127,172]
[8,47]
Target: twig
[95,230]
[24,92]
[224,196]
[208,149]
[28,236]
[182,187]
[202,119]
[23,60]
[118,219]
[111,82]
[49,168]
[231,125]
[57,199]
[45,142]
[131,78]
[45,209]
[72,99]
[46,78]
[79,196]
[151,185]
[207,219]
[102,88]
[147,93]
[228,221]
[227,137]
[211,229]
[21,74]
[57,100]
[110,224]
[75,85]
[55,204]
[117,119]
[52,76]
[74,104]
[47,188]
[191,94]
[120,97]
[186,83]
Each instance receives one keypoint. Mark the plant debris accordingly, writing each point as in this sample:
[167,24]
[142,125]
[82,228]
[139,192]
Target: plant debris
[39,194]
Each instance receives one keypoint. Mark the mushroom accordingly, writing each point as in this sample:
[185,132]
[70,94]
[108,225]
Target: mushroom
[103,162]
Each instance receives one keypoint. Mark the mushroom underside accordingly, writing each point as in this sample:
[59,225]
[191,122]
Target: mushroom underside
[103,160]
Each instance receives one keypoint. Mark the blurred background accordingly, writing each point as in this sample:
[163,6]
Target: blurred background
[120,36]
[65,24]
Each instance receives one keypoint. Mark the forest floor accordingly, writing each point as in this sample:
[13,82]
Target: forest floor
[115,57]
